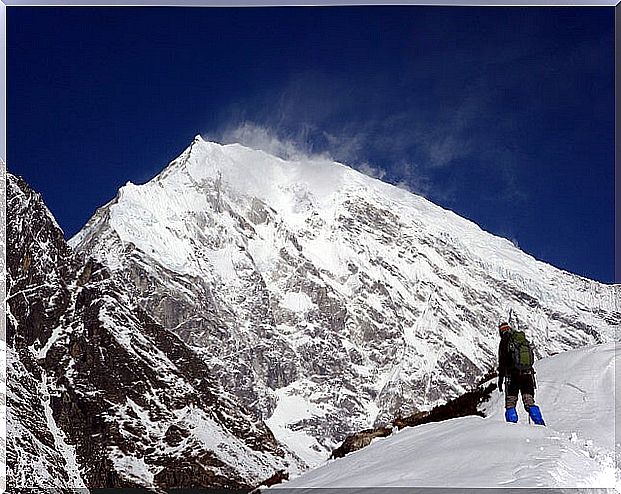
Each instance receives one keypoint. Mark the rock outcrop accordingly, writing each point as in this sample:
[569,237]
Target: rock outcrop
[467,404]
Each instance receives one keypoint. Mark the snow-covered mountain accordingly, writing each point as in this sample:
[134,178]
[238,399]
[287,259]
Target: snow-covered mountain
[576,450]
[327,300]
[99,394]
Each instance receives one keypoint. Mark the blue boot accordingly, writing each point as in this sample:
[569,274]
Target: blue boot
[511,415]
[535,414]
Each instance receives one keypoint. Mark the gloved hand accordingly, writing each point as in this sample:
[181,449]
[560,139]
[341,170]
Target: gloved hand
[500,381]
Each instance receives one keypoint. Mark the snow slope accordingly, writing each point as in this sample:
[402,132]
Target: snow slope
[576,393]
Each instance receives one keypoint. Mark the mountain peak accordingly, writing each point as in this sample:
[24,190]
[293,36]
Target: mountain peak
[303,280]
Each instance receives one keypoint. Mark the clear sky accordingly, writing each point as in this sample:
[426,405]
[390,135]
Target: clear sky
[504,115]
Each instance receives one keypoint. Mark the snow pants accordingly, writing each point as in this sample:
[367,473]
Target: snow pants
[516,383]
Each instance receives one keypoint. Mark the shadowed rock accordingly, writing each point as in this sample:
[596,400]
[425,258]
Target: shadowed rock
[466,404]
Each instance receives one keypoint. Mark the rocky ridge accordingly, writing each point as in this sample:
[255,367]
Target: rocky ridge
[101,395]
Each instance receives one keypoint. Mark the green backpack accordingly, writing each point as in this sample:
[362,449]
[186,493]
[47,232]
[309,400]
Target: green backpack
[521,352]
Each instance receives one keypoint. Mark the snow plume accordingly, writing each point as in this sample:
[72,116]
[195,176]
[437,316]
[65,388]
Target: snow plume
[290,147]
[514,241]
[413,178]
[372,171]
[316,112]
[414,185]
[303,145]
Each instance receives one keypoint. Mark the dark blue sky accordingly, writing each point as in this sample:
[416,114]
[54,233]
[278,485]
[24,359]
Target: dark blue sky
[504,115]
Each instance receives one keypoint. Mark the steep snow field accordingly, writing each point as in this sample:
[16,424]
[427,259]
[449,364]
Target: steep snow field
[576,393]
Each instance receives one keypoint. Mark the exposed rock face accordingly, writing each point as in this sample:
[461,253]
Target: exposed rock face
[99,394]
[467,404]
[360,440]
[328,301]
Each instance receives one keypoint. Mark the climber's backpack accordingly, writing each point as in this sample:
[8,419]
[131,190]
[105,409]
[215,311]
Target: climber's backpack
[521,352]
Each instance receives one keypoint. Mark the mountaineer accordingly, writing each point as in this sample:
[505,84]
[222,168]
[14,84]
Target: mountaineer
[516,373]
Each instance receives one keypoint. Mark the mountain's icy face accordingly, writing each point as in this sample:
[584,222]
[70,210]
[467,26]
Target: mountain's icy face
[325,299]
[99,394]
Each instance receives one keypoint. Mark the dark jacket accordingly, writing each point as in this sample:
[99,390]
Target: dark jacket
[504,359]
